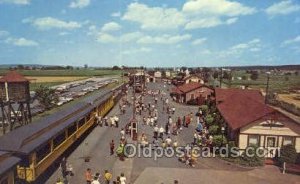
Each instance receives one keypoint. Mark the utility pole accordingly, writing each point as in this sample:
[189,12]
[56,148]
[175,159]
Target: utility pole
[221,78]
[267,88]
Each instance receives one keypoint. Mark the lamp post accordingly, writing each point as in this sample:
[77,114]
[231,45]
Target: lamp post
[267,87]
[222,130]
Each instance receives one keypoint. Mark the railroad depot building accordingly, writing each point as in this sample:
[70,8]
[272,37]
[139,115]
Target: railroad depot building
[191,91]
[193,78]
[250,121]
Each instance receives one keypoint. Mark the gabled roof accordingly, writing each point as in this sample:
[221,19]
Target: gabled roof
[223,94]
[190,76]
[13,76]
[240,110]
[185,88]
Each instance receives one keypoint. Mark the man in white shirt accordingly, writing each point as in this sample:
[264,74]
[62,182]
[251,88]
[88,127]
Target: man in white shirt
[122,179]
[156,129]
[161,132]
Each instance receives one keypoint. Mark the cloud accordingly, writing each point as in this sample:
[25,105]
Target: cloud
[63,33]
[282,8]
[111,26]
[291,41]
[199,41]
[79,3]
[116,14]
[217,8]
[154,18]
[129,37]
[164,39]
[47,23]
[22,42]
[106,38]
[231,20]
[135,51]
[208,23]
[253,46]
[18,2]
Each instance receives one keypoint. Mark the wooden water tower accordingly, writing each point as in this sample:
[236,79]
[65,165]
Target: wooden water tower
[14,101]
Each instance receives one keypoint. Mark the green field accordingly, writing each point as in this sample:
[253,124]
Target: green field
[277,83]
[75,72]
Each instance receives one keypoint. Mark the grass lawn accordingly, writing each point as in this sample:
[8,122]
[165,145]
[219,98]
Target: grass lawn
[75,72]
[277,83]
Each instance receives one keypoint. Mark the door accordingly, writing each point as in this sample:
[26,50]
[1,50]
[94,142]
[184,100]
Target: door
[271,145]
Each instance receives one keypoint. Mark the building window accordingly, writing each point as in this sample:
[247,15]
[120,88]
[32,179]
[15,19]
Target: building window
[287,140]
[192,96]
[271,141]
[253,140]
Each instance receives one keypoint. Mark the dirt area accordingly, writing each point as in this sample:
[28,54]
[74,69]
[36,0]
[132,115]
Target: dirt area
[292,98]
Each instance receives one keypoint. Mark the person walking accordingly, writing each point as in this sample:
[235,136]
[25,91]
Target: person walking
[116,118]
[123,179]
[161,132]
[155,131]
[167,128]
[112,147]
[107,176]
[63,166]
[88,176]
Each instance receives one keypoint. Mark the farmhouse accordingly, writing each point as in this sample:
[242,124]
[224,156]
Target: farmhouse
[193,78]
[251,122]
[193,91]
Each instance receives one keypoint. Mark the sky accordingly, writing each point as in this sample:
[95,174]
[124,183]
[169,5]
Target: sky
[151,33]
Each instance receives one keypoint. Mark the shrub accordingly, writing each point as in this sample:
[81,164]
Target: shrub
[209,119]
[214,129]
[252,159]
[288,154]
[217,140]
[192,102]
[204,108]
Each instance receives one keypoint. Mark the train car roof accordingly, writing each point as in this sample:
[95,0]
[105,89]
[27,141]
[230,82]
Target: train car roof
[27,138]
[7,161]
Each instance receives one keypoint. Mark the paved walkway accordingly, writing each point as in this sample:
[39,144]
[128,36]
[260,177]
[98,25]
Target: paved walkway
[140,170]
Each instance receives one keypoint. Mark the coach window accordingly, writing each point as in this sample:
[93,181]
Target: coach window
[81,122]
[253,140]
[59,139]
[42,152]
[288,140]
[72,129]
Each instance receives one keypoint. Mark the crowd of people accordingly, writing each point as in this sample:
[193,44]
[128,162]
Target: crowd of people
[106,178]
[147,107]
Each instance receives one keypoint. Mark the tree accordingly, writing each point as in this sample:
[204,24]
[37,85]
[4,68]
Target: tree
[69,67]
[254,75]
[213,130]
[288,154]
[244,77]
[219,140]
[86,66]
[209,119]
[20,67]
[226,75]
[215,74]
[296,73]
[46,96]
[116,68]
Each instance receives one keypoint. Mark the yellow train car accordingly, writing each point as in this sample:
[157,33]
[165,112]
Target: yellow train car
[40,144]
